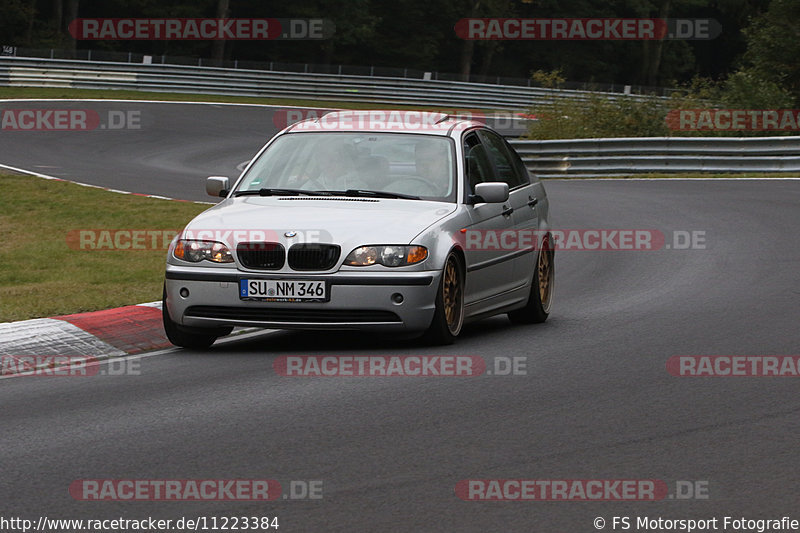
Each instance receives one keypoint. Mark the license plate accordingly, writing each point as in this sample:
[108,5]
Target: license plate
[283,290]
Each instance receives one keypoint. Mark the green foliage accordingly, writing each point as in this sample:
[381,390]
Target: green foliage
[746,89]
[599,116]
[773,46]
[14,17]
[419,35]
[596,116]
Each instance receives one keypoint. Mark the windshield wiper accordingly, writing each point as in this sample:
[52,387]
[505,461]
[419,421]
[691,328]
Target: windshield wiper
[374,194]
[277,192]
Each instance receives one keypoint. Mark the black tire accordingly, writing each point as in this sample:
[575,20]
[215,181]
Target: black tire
[540,300]
[186,337]
[448,318]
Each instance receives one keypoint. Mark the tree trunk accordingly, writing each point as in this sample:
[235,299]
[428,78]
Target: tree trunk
[72,14]
[31,15]
[654,52]
[58,15]
[218,47]
[489,48]
[468,47]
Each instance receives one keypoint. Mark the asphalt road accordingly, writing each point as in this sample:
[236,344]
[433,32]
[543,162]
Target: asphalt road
[161,148]
[596,401]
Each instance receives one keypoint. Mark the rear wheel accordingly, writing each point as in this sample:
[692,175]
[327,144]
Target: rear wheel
[449,314]
[540,299]
[187,337]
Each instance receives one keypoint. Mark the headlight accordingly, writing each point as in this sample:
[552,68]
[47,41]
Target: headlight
[387,255]
[196,251]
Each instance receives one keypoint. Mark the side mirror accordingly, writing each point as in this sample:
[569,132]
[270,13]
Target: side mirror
[491,192]
[218,186]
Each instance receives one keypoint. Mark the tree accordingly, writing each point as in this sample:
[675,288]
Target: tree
[773,45]
[218,47]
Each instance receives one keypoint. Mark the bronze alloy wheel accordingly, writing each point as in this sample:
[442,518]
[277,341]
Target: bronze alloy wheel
[545,275]
[452,296]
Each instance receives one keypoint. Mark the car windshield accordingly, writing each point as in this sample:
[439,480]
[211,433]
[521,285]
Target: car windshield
[369,164]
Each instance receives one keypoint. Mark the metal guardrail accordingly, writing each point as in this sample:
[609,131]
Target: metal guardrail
[88,54]
[16,71]
[661,155]
[549,158]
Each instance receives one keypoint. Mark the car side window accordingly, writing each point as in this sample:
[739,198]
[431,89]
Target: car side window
[525,175]
[503,161]
[476,161]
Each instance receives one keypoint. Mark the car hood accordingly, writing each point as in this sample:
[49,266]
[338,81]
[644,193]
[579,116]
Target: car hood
[349,222]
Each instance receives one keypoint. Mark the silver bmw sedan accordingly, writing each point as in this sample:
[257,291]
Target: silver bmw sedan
[406,221]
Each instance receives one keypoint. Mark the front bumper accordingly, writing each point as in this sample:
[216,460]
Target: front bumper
[358,300]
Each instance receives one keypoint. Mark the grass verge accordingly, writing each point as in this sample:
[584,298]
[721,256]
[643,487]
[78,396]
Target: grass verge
[42,275]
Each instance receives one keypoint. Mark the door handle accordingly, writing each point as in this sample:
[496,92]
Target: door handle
[532,202]
[507,211]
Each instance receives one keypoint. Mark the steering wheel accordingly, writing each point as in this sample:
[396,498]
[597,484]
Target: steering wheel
[418,179]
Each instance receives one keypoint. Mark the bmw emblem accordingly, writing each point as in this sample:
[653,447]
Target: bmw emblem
[290,234]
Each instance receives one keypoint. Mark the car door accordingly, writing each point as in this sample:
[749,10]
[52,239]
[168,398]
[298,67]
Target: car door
[522,200]
[489,267]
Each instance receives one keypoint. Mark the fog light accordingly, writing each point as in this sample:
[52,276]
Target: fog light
[184,292]
[397,298]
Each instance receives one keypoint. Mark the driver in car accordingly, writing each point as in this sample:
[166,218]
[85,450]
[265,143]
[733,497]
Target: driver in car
[334,170]
[432,160]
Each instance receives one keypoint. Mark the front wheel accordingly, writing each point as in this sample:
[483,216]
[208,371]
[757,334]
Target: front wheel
[540,299]
[186,337]
[449,314]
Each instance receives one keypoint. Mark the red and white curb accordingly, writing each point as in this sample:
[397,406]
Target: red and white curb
[98,335]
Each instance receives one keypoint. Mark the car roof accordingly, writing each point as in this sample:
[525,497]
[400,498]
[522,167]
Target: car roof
[389,121]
